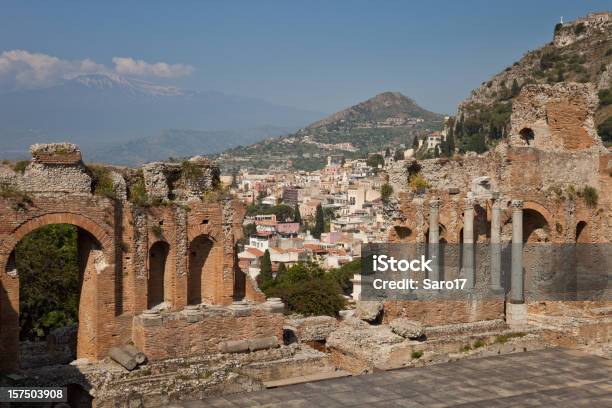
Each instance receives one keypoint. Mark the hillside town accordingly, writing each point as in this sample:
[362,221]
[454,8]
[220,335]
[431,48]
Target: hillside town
[283,205]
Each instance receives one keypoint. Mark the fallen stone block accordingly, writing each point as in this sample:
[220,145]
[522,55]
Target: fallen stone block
[123,358]
[408,329]
[136,354]
[263,343]
[234,346]
[369,311]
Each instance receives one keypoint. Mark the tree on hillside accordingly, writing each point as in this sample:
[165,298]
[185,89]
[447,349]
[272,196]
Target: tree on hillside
[398,155]
[385,192]
[234,182]
[387,152]
[265,269]
[375,160]
[319,227]
[297,217]
[516,89]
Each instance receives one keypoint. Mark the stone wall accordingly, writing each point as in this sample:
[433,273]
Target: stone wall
[116,234]
[198,331]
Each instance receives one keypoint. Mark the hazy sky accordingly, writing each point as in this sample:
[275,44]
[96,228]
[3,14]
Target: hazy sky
[317,55]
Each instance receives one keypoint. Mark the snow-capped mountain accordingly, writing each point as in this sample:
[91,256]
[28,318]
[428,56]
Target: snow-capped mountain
[103,110]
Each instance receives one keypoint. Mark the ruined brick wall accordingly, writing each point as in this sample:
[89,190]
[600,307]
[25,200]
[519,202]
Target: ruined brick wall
[179,334]
[116,236]
[552,155]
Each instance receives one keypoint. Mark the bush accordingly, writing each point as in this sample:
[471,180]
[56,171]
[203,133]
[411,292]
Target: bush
[190,171]
[385,192]
[137,191]
[605,130]
[590,196]
[307,289]
[605,97]
[416,354]
[20,166]
[102,182]
[49,289]
[417,182]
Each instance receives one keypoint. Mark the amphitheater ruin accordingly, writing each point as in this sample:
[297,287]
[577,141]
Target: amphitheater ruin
[180,253]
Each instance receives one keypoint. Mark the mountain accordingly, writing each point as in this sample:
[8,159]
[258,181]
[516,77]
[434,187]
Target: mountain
[381,108]
[581,51]
[104,111]
[178,143]
[388,119]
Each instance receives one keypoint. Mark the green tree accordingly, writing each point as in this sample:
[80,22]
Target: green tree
[605,130]
[265,269]
[282,269]
[375,160]
[249,230]
[307,289]
[234,182]
[515,89]
[387,152]
[319,226]
[297,217]
[398,155]
[385,192]
[49,283]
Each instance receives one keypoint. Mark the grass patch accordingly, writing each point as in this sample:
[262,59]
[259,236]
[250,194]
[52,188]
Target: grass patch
[20,166]
[503,338]
[102,182]
[479,343]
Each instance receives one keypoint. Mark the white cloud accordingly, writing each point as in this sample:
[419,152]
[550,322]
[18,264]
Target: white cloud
[20,69]
[130,66]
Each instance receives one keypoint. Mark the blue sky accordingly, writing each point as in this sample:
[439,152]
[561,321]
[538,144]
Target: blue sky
[316,55]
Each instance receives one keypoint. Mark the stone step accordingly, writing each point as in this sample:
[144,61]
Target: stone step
[307,378]
[602,311]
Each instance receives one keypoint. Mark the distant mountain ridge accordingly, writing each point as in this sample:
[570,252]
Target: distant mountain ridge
[388,119]
[101,112]
[378,109]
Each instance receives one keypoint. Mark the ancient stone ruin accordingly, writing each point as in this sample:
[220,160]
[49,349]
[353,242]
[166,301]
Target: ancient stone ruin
[157,255]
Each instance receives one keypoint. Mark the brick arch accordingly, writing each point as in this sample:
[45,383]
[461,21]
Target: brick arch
[100,337]
[61,218]
[532,205]
[213,231]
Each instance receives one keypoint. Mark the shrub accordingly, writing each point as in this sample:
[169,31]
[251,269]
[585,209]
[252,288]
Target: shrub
[579,29]
[503,338]
[416,354]
[465,348]
[590,196]
[570,191]
[417,182]
[191,171]
[157,231]
[605,97]
[102,182]
[385,192]
[479,343]
[307,289]
[21,166]
[137,192]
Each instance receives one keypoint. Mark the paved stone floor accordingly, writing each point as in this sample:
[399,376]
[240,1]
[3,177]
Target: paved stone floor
[544,378]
